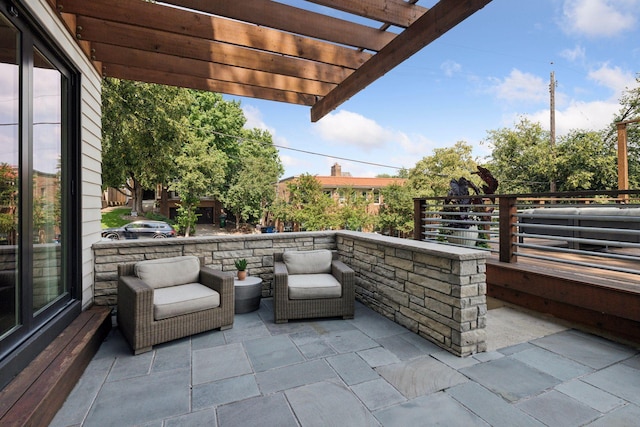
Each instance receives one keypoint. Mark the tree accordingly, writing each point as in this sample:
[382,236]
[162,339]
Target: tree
[144,126]
[8,202]
[219,123]
[524,161]
[253,184]
[352,212]
[521,158]
[630,110]
[430,177]
[308,205]
[396,212]
[585,161]
[202,173]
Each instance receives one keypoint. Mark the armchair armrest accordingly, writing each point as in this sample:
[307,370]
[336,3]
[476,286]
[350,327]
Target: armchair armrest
[280,279]
[342,272]
[219,281]
[135,305]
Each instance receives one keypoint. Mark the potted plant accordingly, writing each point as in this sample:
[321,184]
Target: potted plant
[241,266]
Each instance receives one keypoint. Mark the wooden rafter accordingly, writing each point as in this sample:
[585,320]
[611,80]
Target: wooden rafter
[314,56]
[445,15]
[391,12]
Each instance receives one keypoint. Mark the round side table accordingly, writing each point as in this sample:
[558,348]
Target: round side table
[248,293]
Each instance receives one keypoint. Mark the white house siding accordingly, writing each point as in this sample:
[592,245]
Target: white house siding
[91,150]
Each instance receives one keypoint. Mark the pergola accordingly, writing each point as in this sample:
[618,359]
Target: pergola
[318,56]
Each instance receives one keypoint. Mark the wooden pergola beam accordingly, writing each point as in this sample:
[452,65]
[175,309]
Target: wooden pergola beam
[445,15]
[169,79]
[127,36]
[258,48]
[392,12]
[188,23]
[110,54]
[294,20]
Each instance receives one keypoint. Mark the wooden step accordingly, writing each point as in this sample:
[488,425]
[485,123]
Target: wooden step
[34,397]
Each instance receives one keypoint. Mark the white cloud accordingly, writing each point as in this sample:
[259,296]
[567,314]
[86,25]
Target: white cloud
[345,127]
[613,78]
[521,87]
[450,68]
[596,115]
[599,18]
[254,119]
[574,55]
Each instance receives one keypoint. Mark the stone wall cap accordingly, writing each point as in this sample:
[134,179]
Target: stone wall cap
[438,249]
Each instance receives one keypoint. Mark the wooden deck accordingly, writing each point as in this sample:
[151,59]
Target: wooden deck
[603,301]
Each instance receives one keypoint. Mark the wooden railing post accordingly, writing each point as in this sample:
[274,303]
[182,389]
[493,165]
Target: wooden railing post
[507,228]
[418,218]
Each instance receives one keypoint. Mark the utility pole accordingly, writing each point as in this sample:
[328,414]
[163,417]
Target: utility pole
[552,108]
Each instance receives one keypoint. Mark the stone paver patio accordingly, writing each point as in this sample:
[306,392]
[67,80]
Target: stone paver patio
[367,371]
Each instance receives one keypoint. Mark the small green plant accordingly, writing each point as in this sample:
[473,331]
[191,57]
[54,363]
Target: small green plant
[241,264]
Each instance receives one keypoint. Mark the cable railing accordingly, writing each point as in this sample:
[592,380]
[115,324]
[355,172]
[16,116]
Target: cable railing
[589,229]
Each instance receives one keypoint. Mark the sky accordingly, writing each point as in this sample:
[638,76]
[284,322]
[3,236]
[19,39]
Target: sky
[485,74]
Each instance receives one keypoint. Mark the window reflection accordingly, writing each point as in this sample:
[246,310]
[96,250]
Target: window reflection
[9,145]
[47,146]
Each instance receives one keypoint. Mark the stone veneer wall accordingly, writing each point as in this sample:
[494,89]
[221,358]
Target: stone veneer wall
[435,290]
[219,253]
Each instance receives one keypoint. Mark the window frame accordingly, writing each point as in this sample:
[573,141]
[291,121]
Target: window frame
[35,330]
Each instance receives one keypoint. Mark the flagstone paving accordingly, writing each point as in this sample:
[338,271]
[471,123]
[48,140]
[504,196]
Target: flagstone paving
[367,371]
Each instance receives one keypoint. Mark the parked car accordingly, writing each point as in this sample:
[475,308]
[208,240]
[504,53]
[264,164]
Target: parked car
[140,229]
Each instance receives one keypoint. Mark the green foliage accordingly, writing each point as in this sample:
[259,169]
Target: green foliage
[143,127]
[8,194]
[352,212]
[524,161]
[252,186]
[630,110]
[431,175]
[187,217]
[521,158]
[585,161]
[396,212]
[202,173]
[114,218]
[308,205]
[241,264]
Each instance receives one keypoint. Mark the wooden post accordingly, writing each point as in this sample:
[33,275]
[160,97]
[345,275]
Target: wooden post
[623,161]
[507,228]
[417,219]
[623,165]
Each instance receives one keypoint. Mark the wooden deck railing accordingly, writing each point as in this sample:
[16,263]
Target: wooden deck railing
[575,256]
[600,229]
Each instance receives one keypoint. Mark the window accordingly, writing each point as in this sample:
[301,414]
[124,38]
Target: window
[39,210]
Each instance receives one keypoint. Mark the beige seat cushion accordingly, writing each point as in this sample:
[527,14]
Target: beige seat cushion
[163,272]
[313,286]
[308,262]
[183,299]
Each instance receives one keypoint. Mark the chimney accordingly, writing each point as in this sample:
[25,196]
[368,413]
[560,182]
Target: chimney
[336,170]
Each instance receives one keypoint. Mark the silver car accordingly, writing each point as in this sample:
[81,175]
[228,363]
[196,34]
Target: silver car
[139,230]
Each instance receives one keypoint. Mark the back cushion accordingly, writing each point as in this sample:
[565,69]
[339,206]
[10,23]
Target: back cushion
[163,272]
[308,262]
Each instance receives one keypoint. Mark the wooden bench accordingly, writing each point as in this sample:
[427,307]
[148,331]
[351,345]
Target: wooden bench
[39,391]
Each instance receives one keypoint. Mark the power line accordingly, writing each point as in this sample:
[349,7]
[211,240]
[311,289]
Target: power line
[306,151]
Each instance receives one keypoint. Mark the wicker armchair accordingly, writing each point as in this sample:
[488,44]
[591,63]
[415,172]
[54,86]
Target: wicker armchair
[165,299]
[310,284]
